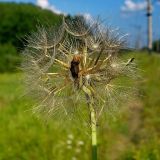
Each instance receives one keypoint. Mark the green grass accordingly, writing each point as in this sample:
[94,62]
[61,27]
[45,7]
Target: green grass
[132,135]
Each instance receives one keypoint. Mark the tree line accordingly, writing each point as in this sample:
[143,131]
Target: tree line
[17,21]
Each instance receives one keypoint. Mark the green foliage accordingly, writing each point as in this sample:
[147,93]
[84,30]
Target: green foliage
[18,21]
[156,46]
[132,135]
[8,58]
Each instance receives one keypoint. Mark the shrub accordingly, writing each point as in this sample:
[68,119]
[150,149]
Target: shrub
[9,58]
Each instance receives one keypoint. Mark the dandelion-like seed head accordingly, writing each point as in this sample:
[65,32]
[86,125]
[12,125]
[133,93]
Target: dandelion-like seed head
[63,64]
[95,46]
[76,52]
[88,77]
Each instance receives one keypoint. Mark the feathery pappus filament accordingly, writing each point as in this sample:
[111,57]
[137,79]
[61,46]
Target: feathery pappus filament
[62,64]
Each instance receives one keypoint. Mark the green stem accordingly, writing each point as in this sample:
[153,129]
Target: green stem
[93,131]
[89,97]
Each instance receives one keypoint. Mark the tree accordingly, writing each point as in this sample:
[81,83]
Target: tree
[18,21]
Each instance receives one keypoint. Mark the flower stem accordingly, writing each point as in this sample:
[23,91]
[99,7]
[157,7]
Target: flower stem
[90,100]
[93,131]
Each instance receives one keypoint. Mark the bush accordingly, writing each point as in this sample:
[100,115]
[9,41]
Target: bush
[9,59]
[156,46]
[17,21]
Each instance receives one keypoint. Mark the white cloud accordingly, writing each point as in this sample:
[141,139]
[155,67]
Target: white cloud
[88,17]
[46,5]
[130,5]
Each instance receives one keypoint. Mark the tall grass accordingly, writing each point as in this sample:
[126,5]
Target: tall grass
[131,134]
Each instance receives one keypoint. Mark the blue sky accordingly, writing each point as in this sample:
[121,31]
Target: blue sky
[128,15]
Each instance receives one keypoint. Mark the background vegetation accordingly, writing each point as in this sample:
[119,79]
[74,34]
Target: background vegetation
[131,134]
[18,21]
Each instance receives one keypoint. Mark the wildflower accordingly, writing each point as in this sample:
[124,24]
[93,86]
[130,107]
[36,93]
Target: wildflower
[80,143]
[70,136]
[69,147]
[69,142]
[74,158]
[78,150]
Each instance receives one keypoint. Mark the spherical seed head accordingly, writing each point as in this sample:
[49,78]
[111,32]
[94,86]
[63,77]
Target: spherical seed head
[62,65]
[95,46]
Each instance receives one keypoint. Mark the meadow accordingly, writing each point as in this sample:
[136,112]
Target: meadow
[132,133]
